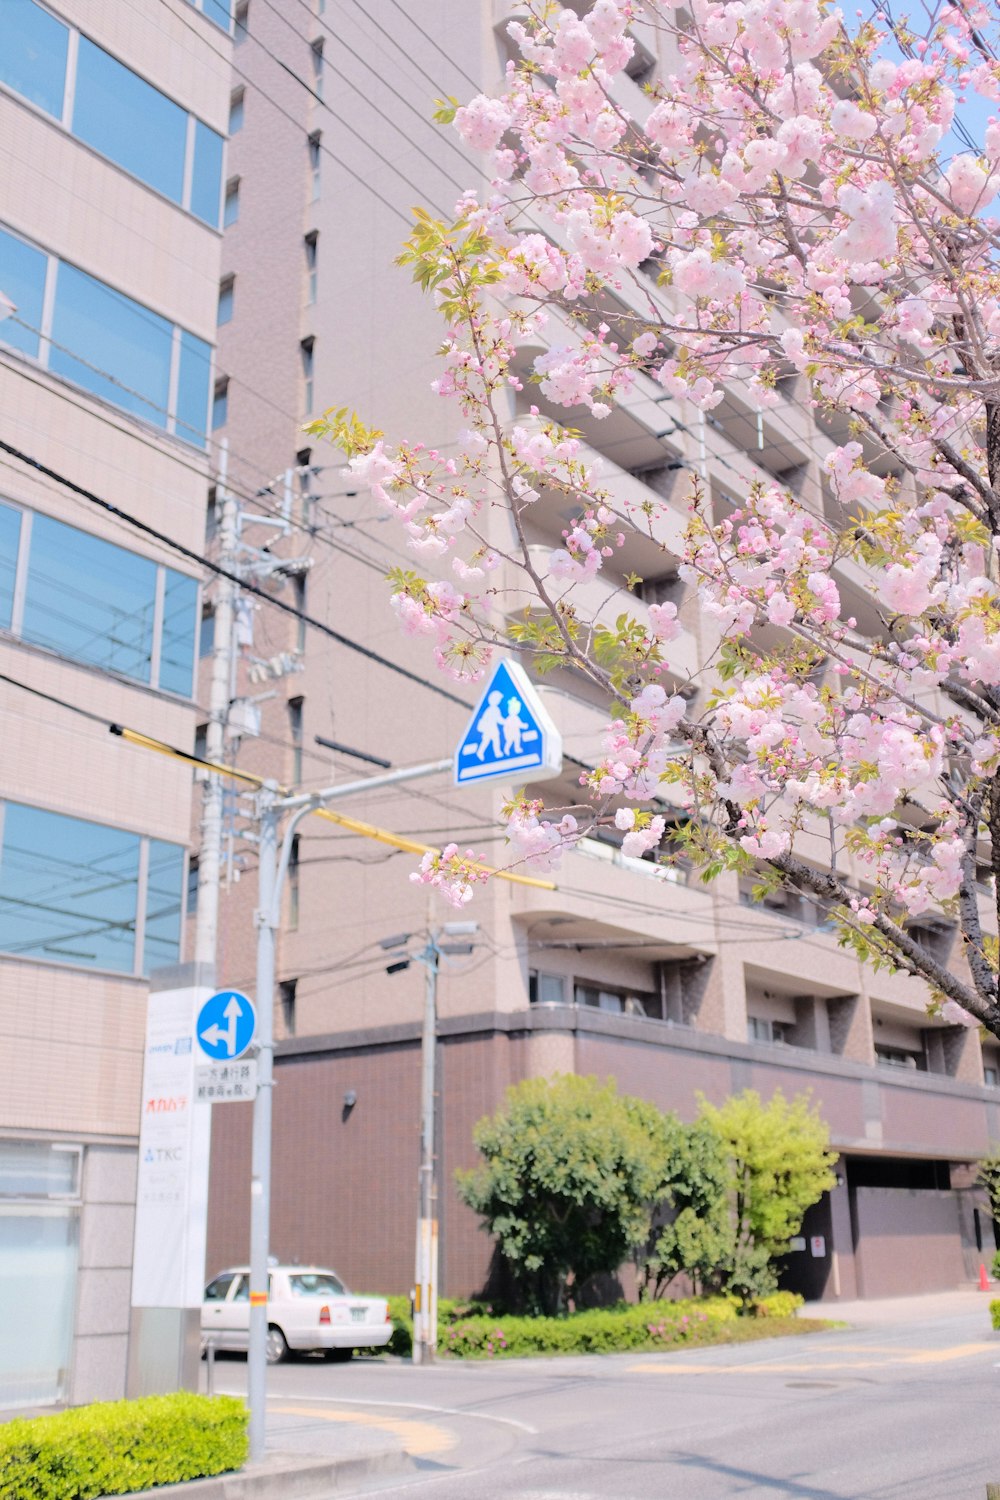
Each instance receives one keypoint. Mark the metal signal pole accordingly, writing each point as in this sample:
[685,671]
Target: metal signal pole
[272,870]
[425,1287]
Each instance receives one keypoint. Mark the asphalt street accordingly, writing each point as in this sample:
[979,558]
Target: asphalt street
[874,1413]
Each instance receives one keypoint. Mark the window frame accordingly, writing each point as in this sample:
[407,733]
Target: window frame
[168,421]
[307,349]
[315,147]
[64,120]
[231,202]
[220,402]
[199,6]
[22,580]
[310,244]
[138,968]
[227,301]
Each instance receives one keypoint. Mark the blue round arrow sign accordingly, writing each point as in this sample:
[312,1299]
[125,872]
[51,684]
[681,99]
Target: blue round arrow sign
[226,1025]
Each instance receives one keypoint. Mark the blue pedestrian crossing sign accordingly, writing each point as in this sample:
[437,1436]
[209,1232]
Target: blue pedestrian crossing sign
[226,1025]
[510,737]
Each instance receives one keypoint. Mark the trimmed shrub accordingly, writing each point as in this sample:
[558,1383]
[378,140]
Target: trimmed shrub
[995,1314]
[402,1326]
[778,1305]
[604,1330]
[120,1447]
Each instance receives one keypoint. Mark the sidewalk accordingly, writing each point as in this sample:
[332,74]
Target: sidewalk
[307,1458]
[882,1312]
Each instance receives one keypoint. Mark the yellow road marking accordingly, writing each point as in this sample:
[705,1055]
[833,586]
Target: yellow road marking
[418,1438]
[911,1357]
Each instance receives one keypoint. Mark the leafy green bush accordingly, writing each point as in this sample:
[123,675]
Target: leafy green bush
[604,1330]
[402,1326]
[119,1447]
[778,1305]
[995,1314]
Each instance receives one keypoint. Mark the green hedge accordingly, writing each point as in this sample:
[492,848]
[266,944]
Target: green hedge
[120,1447]
[778,1305]
[473,1330]
[604,1330]
[995,1314]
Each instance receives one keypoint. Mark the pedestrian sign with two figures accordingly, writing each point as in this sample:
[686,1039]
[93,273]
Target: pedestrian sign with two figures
[510,737]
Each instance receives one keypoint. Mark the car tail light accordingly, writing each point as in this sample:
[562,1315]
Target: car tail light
[324,1315]
[388,1314]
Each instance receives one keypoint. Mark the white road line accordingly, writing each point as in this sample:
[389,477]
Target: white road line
[441,1411]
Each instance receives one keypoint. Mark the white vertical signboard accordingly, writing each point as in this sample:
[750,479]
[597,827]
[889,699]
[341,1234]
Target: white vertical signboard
[174,1136]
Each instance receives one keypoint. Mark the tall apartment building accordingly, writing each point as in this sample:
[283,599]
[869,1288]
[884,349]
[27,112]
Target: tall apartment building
[629,968]
[113,115]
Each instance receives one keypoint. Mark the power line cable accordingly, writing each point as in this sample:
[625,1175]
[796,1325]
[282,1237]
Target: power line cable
[358,177]
[219,571]
[350,83]
[400,48]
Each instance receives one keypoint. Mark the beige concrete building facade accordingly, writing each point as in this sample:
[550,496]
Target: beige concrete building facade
[629,968]
[113,117]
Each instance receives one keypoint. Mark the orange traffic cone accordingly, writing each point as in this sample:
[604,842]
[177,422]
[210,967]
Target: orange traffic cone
[984,1280]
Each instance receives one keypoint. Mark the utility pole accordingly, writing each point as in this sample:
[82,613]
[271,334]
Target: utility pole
[425,1284]
[267,917]
[272,870]
[219,696]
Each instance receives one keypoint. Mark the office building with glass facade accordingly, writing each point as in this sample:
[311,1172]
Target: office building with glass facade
[114,119]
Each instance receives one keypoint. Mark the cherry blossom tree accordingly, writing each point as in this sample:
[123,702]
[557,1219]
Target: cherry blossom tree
[785,211]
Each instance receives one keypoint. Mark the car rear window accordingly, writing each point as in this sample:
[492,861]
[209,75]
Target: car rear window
[316,1284]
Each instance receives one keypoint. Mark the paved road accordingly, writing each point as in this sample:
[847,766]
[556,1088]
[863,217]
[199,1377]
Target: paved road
[877,1413]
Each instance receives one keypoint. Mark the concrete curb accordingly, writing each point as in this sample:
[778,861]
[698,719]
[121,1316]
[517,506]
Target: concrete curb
[298,1478]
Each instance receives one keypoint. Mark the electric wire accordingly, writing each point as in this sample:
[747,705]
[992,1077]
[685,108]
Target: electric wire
[382,80]
[221,572]
[353,825]
[400,48]
[358,176]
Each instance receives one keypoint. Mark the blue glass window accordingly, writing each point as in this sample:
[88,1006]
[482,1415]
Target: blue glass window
[206,634]
[192,389]
[95,602]
[225,302]
[231,205]
[119,336]
[164,892]
[220,405]
[68,889]
[206,181]
[180,604]
[33,55]
[218,11]
[22,279]
[236,111]
[129,121]
[10,536]
[90,599]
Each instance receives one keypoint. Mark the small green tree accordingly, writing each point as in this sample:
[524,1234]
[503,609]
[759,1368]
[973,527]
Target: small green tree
[779,1165]
[690,1230]
[988,1178]
[569,1173]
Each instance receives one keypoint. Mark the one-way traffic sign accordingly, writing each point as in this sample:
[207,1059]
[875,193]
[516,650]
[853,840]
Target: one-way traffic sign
[226,1026]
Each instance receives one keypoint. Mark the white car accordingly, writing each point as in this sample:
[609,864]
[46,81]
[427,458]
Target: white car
[308,1307]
